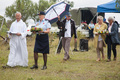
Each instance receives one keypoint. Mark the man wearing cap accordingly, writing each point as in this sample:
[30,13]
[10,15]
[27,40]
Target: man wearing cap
[68,29]
[42,41]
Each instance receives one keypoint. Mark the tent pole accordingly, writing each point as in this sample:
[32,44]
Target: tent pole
[96,17]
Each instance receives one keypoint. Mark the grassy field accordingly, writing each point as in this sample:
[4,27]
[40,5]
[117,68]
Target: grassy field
[81,66]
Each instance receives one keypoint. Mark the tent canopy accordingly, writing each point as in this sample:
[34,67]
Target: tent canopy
[108,7]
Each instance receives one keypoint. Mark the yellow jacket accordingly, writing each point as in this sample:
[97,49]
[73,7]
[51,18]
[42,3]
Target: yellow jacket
[96,30]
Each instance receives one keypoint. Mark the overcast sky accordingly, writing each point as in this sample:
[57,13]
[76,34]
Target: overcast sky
[77,4]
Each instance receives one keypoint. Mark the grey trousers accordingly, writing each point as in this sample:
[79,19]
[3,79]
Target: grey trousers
[66,46]
[100,48]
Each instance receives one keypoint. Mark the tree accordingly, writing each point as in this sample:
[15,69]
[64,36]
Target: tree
[71,3]
[118,4]
[27,8]
[1,19]
[23,6]
[3,28]
[41,6]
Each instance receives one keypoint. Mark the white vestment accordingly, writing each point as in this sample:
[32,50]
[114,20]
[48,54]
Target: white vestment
[18,47]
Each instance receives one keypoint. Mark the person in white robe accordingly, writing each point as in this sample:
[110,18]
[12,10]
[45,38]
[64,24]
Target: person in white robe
[18,47]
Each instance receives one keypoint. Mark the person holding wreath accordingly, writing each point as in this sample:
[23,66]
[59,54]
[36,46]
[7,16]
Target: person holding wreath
[99,38]
[42,40]
[112,39]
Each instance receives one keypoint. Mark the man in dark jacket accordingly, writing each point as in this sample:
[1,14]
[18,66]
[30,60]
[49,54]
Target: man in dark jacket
[68,29]
[112,38]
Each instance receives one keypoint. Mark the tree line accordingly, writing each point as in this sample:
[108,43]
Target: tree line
[30,9]
[118,4]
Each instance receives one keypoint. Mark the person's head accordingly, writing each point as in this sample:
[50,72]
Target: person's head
[111,20]
[41,15]
[100,19]
[91,22]
[68,16]
[18,16]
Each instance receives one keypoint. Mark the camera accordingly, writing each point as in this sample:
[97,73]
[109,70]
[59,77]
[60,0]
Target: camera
[65,29]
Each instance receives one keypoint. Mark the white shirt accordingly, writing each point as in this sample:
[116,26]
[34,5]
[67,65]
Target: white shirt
[44,24]
[68,27]
[99,38]
[109,29]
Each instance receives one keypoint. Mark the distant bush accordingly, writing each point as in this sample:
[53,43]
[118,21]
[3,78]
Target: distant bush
[4,30]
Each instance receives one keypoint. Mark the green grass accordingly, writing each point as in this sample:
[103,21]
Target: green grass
[81,66]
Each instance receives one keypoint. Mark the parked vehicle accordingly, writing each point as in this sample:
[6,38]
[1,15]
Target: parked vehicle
[30,23]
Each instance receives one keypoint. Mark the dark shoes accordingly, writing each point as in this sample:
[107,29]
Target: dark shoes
[108,60]
[68,57]
[114,59]
[6,66]
[34,67]
[44,67]
[75,50]
[65,59]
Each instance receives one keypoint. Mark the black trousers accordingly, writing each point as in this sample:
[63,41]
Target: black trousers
[111,45]
[91,33]
[60,45]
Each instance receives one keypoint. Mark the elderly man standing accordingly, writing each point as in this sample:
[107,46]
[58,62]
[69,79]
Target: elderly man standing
[68,29]
[18,49]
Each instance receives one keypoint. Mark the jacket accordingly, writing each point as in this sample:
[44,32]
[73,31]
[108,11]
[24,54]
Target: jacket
[114,34]
[62,24]
[103,27]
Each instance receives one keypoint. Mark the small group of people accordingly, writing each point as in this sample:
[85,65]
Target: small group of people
[18,46]
[109,39]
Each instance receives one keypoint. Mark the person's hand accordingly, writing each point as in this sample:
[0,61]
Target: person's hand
[59,18]
[40,32]
[96,33]
[107,33]
[34,32]
[18,34]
